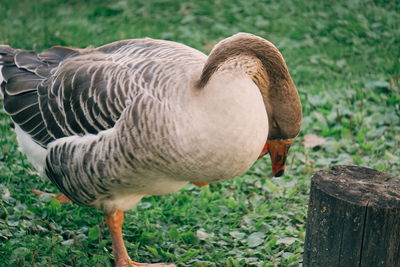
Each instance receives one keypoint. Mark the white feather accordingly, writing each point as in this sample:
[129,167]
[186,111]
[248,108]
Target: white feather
[1,79]
[34,152]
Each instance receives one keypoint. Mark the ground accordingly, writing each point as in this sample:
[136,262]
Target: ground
[344,59]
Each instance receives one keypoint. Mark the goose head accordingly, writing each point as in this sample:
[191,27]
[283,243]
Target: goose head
[263,62]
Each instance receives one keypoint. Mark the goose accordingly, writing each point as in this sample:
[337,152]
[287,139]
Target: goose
[141,117]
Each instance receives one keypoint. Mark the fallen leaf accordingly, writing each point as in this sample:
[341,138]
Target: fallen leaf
[378,84]
[238,235]
[203,235]
[287,240]
[255,239]
[287,255]
[311,140]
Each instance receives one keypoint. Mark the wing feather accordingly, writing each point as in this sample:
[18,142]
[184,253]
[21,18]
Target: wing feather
[65,91]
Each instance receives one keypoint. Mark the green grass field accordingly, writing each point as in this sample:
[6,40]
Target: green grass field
[344,59]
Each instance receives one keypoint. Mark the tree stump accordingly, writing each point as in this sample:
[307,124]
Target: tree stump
[353,219]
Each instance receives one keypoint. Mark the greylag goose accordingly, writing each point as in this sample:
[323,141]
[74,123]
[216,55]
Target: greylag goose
[134,118]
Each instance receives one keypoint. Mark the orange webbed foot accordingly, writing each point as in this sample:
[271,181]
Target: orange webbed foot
[60,197]
[200,183]
[133,264]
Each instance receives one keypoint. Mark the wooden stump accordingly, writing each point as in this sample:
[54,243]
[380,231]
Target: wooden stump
[353,219]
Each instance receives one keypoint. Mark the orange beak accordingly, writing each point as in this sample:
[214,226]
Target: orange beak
[278,151]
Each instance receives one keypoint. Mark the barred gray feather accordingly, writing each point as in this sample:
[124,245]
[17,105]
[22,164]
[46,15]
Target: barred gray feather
[142,117]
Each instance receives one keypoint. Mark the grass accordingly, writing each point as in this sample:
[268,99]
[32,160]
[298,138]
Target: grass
[344,59]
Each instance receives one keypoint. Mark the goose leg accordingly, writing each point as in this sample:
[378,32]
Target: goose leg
[121,256]
[60,197]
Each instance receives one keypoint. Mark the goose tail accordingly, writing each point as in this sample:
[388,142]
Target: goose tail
[6,58]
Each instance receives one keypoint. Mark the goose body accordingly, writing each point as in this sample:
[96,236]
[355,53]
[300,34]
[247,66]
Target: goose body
[143,117]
